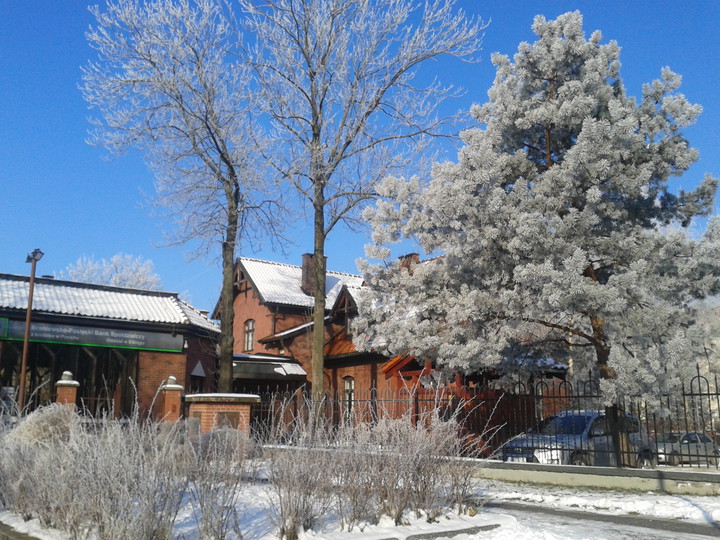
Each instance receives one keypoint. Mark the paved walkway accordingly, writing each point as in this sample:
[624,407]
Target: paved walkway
[682,528]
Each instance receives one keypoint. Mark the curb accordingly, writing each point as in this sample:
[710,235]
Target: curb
[711,529]
[450,533]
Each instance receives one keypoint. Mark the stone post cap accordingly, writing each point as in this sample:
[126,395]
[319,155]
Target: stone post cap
[66,379]
[171,384]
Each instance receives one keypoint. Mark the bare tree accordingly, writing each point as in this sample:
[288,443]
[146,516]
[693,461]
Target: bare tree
[121,270]
[336,78]
[169,82]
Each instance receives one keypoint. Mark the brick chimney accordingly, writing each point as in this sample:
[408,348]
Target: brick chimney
[406,261]
[307,284]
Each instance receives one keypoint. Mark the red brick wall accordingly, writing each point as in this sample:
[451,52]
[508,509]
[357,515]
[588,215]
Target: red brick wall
[367,376]
[301,350]
[171,399]
[201,350]
[66,394]
[247,306]
[153,370]
[207,414]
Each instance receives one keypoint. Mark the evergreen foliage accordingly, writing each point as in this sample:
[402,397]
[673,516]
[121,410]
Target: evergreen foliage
[557,227]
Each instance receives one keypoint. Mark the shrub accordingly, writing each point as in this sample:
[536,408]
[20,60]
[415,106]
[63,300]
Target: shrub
[220,462]
[363,471]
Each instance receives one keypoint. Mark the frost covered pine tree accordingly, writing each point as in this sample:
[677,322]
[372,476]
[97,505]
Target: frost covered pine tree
[555,227]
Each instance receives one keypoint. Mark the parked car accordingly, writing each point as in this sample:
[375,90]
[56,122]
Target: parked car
[580,437]
[687,447]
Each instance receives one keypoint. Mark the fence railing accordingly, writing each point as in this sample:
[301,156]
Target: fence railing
[550,421]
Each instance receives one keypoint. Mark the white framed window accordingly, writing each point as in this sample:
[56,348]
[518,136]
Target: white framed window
[249,335]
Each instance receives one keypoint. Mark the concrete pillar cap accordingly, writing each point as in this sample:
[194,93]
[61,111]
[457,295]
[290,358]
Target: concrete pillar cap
[171,384]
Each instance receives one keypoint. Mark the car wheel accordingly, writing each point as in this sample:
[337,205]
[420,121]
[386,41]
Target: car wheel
[673,460]
[645,461]
[579,459]
[714,460]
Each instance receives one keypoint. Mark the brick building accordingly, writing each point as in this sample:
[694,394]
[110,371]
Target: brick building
[116,341]
[273,330]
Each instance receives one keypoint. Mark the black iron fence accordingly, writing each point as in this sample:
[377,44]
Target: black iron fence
[549,421]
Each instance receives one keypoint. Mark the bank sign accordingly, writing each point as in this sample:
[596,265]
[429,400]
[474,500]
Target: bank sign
[93,337]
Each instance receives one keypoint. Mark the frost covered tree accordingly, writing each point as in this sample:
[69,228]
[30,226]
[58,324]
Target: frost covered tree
[555,227]
[169,80]
[121,270]
[337,80]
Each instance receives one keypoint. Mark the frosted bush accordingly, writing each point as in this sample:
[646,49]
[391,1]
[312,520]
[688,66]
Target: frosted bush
[220,463]
[362,471]
[298,475]
[46,426]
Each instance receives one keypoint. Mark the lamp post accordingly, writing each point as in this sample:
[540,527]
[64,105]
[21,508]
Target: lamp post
[32,258]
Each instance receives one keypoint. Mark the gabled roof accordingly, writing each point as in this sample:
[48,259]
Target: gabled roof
[54,296]
[352,292]
[279,283]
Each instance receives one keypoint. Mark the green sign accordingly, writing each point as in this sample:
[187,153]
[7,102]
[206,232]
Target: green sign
[92,336]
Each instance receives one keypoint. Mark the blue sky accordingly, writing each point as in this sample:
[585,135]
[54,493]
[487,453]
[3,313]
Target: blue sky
[59,194]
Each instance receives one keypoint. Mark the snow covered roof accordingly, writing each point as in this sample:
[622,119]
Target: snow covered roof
[279,283]
[99,301]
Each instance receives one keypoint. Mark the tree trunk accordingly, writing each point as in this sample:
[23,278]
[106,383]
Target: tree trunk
[613,413]
[319,270]
[227,295]
[227,340]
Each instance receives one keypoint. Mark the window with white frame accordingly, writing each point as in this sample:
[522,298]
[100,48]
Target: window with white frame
[249,335]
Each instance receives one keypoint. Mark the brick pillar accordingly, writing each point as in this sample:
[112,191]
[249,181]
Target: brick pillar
[216,411]
[66,389]
[171,393]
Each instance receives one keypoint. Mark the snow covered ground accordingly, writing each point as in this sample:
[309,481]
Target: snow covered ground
[497,523]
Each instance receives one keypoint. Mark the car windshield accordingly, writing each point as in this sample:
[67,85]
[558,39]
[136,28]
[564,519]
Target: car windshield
[668,437]
[564,425]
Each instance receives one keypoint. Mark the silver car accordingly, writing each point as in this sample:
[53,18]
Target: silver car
[580,437]
[687,447]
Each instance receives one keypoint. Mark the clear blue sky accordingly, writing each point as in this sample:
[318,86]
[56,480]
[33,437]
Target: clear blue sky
[59,195]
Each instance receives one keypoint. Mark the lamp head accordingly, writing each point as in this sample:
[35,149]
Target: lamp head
[35,255]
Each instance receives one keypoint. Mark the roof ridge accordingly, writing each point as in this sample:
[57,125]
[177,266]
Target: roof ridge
[84,285]
[275,263]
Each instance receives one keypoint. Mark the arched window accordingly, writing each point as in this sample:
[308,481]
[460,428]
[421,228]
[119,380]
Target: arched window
[348,395]
[249,335]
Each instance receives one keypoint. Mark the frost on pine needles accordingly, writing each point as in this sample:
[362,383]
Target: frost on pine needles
[558,230]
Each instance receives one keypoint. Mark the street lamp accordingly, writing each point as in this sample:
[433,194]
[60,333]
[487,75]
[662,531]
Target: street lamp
[32,258]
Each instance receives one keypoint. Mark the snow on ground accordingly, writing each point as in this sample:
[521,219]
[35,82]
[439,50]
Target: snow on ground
[507,524]
[697,509]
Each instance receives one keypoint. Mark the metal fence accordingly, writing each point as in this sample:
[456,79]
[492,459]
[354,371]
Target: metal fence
[550,421]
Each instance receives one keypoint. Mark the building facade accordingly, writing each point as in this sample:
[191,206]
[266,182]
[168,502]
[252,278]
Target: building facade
[273,330]
[120,344]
